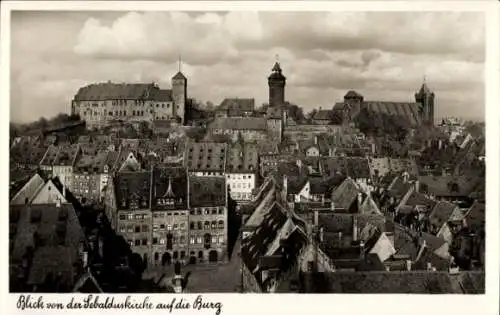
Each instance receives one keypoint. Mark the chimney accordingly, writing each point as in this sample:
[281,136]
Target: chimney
[58,203]
[373,148]
[362,250]
[340,236]
[355,228]
[408,265]
[321,235]
[417,186]
[332,206]
[440,144]
[429,266]
[285,186]
[360,200]
[315,140]
[299,164]
[64,190]
[316,217]
[85,259]
[100,246]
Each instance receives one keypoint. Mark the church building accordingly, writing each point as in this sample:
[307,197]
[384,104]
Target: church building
[417,113]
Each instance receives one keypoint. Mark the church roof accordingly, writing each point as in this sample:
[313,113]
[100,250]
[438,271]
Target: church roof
[179,75]
[277,72]
[424,89]
[276,67]
[352,94]
[113,91]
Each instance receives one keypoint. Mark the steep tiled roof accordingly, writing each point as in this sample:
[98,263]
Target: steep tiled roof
[475,217]
[296,183]
[207,191]
[407,110]
[169,184]
[345,195]
[114,91]
[50,155]
[162,95]
[91,163]
[441,213]
[133,190]
[239,123]
[238,106]
[325,185]
[205,156]
[324,114]
[242,157]
[444,186]
[178,76]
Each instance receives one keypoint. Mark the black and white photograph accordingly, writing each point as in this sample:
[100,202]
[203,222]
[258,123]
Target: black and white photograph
[247,151]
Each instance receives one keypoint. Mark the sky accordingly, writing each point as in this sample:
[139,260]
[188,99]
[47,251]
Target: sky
[382,55]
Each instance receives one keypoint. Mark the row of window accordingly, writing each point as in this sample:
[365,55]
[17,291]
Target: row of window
[156,215]
[241,185]
[131,216]
[193,240]
[206,225]
[207,211]
[163,214]
[238,176]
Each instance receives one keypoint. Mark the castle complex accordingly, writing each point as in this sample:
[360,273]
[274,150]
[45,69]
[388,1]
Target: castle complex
[101,103]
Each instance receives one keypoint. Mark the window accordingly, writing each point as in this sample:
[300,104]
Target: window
[192,225]
[145,228]
[122,229]
[207,211]
[207,225]
[200,225]
[198,240]
[162,241]
[214,211]
[192,240]
[221,210]
[214,225]
[130,229]
[183,254]
[155,240]
[182,226]
[221,224]
[176,226]
[162,226]
[137,242]
[221,239]
[191,212]
[169,227]
[198,211]
[122,217]
[155,227]
[144,241]
[176,255]
[137,229]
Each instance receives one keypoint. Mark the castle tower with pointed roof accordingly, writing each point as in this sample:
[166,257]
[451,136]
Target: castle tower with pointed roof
[426,99]
[276,83]
[179,94]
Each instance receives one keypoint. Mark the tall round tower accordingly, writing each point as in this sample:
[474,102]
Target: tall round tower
[276,83]
[179,94]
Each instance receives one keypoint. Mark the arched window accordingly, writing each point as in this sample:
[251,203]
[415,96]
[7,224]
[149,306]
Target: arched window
[207,238]
[214,225]
[207,225]
[221,224]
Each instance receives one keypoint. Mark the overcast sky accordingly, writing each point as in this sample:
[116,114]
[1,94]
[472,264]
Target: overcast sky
[383,56]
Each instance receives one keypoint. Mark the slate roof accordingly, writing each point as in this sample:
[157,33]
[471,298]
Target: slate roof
[66,155]
[162,95]
[133,190]
[205,156]
[242,158]
[169,183]
[355,167]
[50,155]
[238,123]
[116,91]
[295,184]
[207,191]
[419,199]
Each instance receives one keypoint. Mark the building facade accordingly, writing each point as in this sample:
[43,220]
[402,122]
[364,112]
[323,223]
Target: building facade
[99,104]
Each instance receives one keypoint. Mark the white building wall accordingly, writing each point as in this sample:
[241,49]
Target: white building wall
[241,185]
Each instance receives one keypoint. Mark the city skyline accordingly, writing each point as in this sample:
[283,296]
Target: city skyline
[223,57]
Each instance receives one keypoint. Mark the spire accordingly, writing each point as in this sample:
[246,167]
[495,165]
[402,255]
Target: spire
[180,63]
[169,193]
